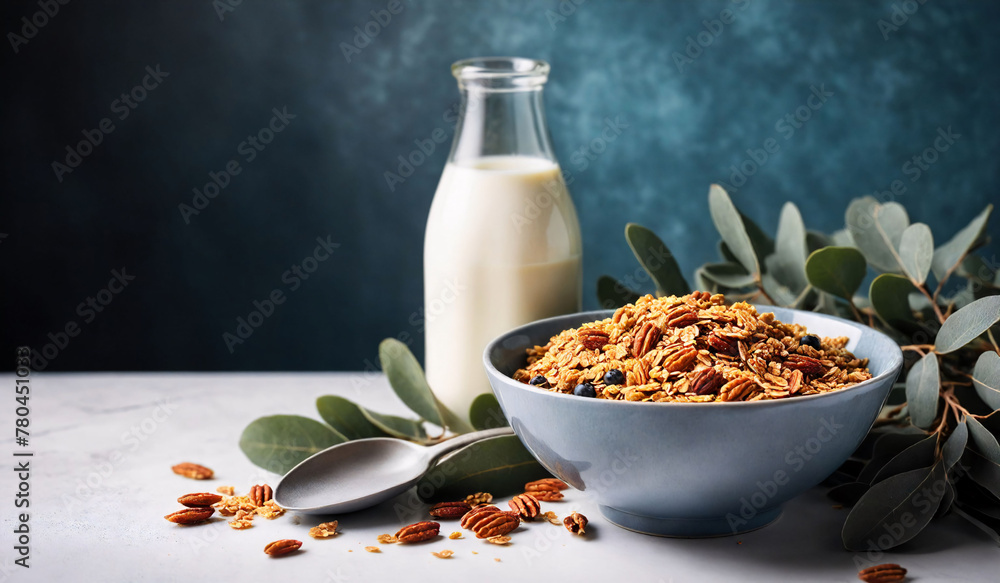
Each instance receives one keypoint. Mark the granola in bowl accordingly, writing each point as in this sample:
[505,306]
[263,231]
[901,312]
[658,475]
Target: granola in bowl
[693,348]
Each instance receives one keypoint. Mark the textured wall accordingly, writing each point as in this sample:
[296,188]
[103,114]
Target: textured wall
[686,119]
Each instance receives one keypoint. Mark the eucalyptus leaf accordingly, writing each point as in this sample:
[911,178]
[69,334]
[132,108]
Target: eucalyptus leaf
[485,413]
[984,472]
[763,245]
[279,442]
[454,423]
[947,256]
[923,387]
[974,267]
[612,294]
[885,449]
[984,439]
[731,227]
[790,250]
[916,249]
[836,270]
[848,493]
[726,255]
[910,494]
[657,260]
[816,240]
[500,465]
[347,418]
[889,295]
[409,429]
[986,378]
[967,323]
[780,293]
[953,448]
[731,275]
[876,230]
[919,455]
[992,530]
[408,380]
[840,238]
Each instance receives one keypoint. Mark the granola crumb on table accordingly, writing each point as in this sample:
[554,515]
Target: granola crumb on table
[692,348]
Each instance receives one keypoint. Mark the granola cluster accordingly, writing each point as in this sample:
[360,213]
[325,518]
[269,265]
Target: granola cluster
[692,348]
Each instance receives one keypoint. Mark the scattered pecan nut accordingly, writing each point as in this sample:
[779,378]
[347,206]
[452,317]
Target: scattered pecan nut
[418,532]
[199,500]
[546,484]
[706,381]
[324,530]
[478,513]
[479,498]
[260,494]
[450,509]
[193,471]
[547,495]
[190,515]
[592,339]
[496,524]
[886,573]
[807,364]
[576,523]
[526,506]
[645,339]
[282,547]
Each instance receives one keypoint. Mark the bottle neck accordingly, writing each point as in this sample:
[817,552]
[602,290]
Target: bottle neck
[500,122]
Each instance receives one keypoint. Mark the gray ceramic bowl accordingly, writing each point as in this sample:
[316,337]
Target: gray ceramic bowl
[692,469]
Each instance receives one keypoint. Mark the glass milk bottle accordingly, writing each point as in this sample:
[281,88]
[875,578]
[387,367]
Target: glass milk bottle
[502,246]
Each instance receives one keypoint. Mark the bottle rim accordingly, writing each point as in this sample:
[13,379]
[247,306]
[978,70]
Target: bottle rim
[496,71]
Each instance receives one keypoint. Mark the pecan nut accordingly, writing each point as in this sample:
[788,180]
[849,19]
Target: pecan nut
[736,389]
[193,471]
[723,345]
[680,317]
[497,524]
[526,506]
[680,359]
[886,573]
[190,515]
[645,339]
[282,547]
[417,532]
[450,509]
[807,364]
[199,500]
[478,513]
[546,484]
[576,523]
[706,381]
[795,382]
[547,495]
[592,339]
[260,494]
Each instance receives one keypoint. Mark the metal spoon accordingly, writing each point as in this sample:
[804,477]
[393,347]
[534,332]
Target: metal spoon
[361,473]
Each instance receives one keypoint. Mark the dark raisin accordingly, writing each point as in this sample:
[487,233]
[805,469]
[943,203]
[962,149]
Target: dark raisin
[539,381]
[810,340]
[585,390]
[614,377]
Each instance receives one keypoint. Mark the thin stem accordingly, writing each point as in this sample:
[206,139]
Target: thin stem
[802,296]
[760,286]
[993,341]
[937,310]
[947,274]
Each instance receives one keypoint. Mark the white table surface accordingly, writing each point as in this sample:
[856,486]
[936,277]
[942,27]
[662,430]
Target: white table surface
[112,528]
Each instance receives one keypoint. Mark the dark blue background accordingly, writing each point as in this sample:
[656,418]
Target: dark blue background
[324,174]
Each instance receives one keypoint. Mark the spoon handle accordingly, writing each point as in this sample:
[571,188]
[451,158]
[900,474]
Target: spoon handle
[435,452]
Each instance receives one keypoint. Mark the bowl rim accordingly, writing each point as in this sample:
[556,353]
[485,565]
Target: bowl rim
[895,365]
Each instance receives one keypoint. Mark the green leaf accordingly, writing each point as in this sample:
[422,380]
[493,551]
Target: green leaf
[885,449]
[485,413]
[984,439]
[780,293]
[848,493]
[454,423]
[889,295]
[919,455]
[916,249]
[347,418]
[731,227]
[966,324]
[947,256]
[790,251]
[986,378]
[657,260]
[877,230]
[836,270]
[500,465]
[984,472]
[911,495]
[409,429]
[279,442]
[980,522]
[731,275]
[763,245]
[612,294]
[815,240]
[923,386]
[841,238]
[408,380]
[953,448]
